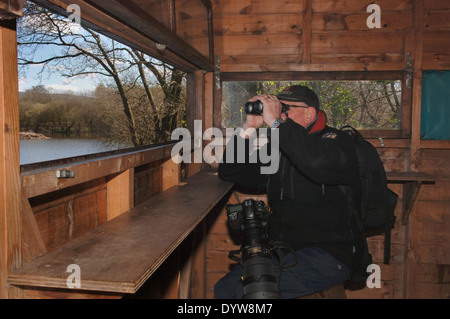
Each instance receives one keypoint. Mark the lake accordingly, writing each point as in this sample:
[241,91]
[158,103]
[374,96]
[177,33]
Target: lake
[33,151]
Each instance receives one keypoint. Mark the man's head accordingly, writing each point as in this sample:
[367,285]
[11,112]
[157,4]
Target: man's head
[304,103]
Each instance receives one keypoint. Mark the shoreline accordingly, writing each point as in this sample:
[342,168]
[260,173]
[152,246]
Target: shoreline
[33,136]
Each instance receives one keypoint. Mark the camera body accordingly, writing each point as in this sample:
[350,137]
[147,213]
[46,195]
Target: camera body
[251,219]
[257,107]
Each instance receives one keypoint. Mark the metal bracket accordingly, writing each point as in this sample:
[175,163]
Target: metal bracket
[65,173]
[217,73]
[409,70]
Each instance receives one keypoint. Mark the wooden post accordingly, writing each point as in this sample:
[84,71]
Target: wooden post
[10,225]
[417,85]
[409,272]
[120,194]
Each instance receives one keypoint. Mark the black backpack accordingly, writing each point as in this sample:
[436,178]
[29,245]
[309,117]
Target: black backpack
[375,211]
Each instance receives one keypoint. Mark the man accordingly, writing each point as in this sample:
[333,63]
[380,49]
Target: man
[310,214]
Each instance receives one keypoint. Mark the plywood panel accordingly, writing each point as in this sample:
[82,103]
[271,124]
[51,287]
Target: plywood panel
[67,220]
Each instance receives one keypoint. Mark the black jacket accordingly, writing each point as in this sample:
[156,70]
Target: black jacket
[308,207]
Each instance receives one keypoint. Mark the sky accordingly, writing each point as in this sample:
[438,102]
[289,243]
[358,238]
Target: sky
[53,81]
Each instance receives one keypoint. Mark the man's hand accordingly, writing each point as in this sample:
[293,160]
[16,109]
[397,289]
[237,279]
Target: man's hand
[272,108]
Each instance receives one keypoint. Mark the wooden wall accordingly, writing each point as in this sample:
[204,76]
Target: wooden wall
[323,35]
[288,38]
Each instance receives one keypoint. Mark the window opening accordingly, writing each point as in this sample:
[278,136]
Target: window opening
[76,84]
[364,104]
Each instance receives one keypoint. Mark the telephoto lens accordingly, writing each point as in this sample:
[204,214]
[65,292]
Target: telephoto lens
[250,218]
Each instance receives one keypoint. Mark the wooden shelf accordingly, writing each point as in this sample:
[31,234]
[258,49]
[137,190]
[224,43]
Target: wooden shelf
[120,255]
[412,183]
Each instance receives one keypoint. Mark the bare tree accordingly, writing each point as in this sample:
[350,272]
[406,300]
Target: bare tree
[78,51]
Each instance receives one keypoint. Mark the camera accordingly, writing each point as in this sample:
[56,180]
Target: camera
[251,219]
[257,107]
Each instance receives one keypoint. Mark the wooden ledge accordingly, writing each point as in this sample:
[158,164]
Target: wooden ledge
[120,255]
[408,177]
[412,183]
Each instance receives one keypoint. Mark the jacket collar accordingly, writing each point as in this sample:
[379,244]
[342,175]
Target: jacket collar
[318,124]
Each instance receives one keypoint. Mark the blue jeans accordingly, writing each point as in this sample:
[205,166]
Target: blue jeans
[316,270]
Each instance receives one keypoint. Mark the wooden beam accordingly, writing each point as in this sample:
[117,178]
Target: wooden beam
[10,224]
[311,75]
[10,9]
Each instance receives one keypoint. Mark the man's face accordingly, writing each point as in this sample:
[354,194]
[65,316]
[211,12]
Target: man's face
[300,113]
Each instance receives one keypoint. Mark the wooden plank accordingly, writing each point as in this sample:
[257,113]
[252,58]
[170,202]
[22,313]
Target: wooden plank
[436,4]
[276,23]
[437,20]
[310,76]
[120,255]
[359,5]
[266,44]
[374,61]
[409,177]
[357,42]
[246,7]
[436,61]
[10,224]
[392,21]
[268,66]
[433,41]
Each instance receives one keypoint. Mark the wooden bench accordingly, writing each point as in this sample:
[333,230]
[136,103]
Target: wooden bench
[121,254]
